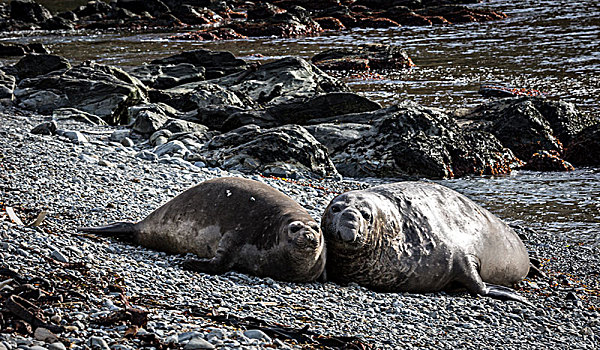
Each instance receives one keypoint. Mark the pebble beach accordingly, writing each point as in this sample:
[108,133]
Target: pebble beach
[85,179]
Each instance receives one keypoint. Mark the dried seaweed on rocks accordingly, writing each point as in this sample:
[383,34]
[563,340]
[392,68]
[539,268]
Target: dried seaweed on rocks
[302,336]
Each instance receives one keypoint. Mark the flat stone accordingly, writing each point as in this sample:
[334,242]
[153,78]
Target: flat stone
[257,334]
[198,343]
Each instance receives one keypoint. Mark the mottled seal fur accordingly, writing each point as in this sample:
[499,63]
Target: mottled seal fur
[233,224]
[421,237]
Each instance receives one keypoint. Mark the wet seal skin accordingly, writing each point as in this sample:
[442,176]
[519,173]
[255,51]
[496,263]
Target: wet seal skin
[232,224]
[421,237]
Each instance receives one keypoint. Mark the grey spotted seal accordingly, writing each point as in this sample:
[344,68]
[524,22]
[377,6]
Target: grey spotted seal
[232,224]
[421,237]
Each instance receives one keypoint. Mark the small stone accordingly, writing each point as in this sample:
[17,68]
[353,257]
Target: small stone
[105,163]
[171,148]
[56,319]
[45,128]
[43,334]
[119,135]
[97,343]
[56,255]
[56,346]
[198,343]
[257,334]
[147,155]
[75,136]
[127,142]
[88,159]
[572,296]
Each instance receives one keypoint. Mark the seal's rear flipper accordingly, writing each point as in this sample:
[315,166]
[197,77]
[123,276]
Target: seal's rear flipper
[472,281]
[504,293]
[122,230]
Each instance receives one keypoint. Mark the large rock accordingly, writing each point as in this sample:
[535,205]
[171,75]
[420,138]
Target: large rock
[167,76]
[282,81]
[33,65]
[154,7]
[584,149]
[97,89]
[518,124]
[293,23]
[216,63]
[373,56]
[410,140]
[204,94]
[287,151]
[28,11]
[564,118]
[12,49]
[303,110]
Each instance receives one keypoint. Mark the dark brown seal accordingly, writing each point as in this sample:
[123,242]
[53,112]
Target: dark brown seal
[421,237]
[233,224]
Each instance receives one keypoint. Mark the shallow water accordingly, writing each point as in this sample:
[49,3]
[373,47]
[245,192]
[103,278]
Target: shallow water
[552,46]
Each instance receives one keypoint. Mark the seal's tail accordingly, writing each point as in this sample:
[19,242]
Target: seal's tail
[122,230]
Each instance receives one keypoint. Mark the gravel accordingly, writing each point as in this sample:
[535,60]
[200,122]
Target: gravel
[98,181]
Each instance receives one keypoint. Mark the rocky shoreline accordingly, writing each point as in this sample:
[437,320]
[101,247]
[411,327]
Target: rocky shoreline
[91,282]
[289,118]
[88,144]
[226,20]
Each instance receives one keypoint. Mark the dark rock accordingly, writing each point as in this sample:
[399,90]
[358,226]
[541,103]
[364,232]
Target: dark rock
[282,81]
[75,114]
[374,56]
[196,15]
[375,22]
[149,118]
[28,11]
[182,126]
[337,136]
[547,161]
[7,85]
[281,25]
[410,140]
[45,128]
[148,122]
[216,63]
[167,76]
[97,89]
[287,151]
[564,118]
[191,96]
[584,149]
[154,7]
[330,23]
[518,124]
[68,15]
[461,14]
[263,10]
[57,23]
[93,8]
[405,16]
[11,49]
[33,65]
[303,110]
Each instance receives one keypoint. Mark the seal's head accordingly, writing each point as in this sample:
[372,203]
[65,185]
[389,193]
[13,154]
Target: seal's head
[349,219]
[304,235]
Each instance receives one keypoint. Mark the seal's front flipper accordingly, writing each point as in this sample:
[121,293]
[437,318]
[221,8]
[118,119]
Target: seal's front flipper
[471,279]
[210,266]
[122,230]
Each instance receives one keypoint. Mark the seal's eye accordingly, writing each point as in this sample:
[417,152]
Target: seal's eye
[335,209]
[295,227]
[366,215]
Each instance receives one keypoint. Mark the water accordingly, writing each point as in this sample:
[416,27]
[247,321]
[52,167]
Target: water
[552,46]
